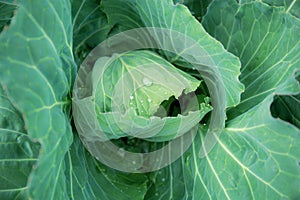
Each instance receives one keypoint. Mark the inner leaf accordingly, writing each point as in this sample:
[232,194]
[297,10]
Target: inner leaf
[141,81]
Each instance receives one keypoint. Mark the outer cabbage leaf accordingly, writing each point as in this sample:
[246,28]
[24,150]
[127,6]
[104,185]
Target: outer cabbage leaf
[18,153]
[248,162]
[90,26]
[256,157]
[170,183]
[265,38]
[164,14]
[291,6]
[38,82]
[88,179]
[286,107]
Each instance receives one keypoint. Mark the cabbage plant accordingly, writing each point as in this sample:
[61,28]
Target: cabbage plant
[149,99]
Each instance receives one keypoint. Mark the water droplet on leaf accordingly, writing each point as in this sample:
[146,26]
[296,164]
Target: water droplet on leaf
[122,108]
[121,152]
[147,82]
[21,139]
[187,158]
[23,142]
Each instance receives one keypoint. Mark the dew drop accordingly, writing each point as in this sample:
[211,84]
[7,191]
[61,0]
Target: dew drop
[122,108]
[156,194]
[131,97]
[134,162]
[23,142]
[21,139]
[207,100]
[28,149]
[121,152]
[149,100]
[187,159]
[194,68]
[147,82]
[102,170]
[34,167]
[163,179]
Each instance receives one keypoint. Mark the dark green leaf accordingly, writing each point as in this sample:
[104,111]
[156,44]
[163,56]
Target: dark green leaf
[37,70]
[197,8]
[88,179]
[291,6]
[265,38]
[287,108]
[164,14]
[18,153]
[90,26]
[256,157]
[7,9]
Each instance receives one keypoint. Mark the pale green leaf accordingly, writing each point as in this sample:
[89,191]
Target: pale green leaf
[140,80]
[129,89]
